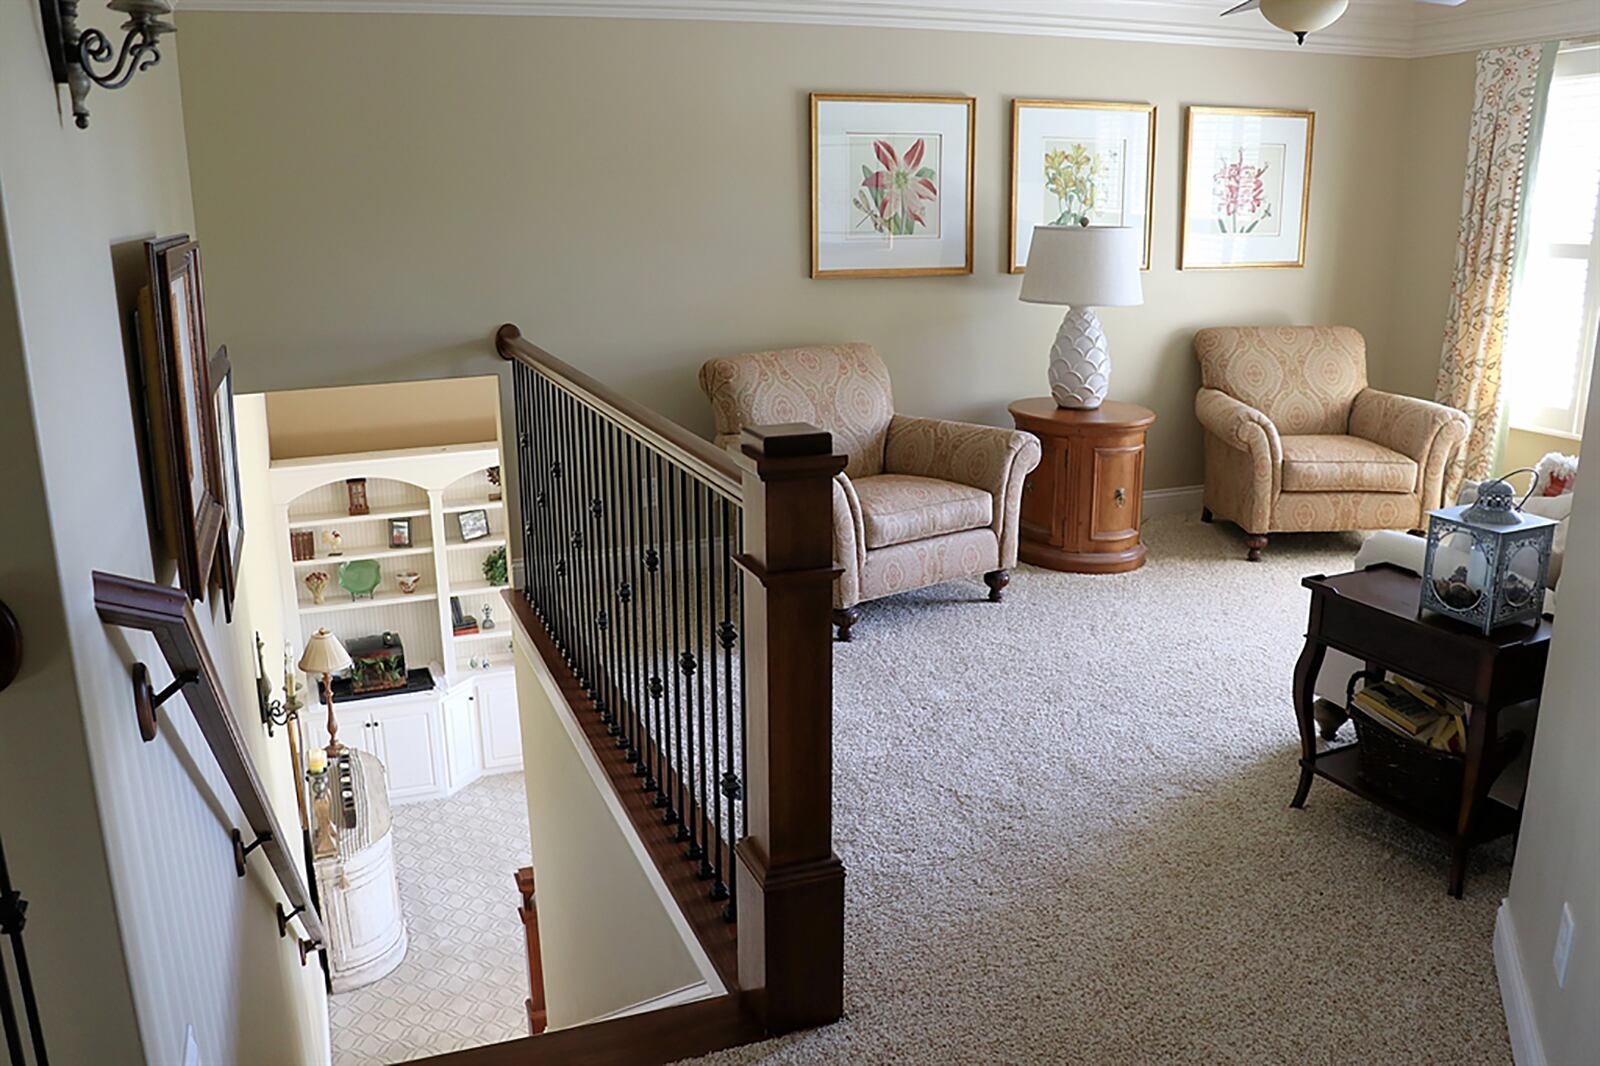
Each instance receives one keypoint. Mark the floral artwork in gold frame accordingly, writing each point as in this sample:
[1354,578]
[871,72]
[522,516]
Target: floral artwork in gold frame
[1246,188]
[891,185]
[1080,160]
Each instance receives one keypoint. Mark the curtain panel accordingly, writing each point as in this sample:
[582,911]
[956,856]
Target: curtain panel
[1505,101]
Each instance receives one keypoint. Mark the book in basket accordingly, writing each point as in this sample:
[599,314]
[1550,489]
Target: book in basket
[1397,706]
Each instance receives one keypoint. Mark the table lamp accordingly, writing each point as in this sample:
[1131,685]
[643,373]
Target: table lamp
[326,656]
[1083,268]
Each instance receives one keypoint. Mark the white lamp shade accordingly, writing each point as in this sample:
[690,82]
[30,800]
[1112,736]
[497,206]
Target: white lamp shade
[1083,266]
[1303,16]
[324,654]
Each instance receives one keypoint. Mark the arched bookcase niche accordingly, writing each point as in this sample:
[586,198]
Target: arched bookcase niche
[464,568]
[431,488]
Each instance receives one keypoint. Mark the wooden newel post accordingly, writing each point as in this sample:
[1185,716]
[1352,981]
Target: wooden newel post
[791,884]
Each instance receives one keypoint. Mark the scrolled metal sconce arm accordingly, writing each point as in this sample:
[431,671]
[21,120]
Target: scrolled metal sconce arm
[74,55]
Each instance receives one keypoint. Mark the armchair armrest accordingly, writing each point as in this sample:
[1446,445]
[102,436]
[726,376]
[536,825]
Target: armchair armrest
[1427,432]
[1237,424]
[984,457]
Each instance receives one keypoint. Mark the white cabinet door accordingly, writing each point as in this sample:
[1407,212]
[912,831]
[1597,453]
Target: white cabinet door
[461,737]
[355,726]
[411,745]
[497,718]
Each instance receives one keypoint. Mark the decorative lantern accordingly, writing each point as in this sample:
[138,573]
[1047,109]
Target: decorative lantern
[1487,560]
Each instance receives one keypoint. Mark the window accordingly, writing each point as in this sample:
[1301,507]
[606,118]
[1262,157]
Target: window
[1555,311]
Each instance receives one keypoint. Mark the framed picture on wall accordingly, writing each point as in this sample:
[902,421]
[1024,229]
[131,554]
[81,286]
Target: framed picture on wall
[1077,162]
[180,413]
[891,185]
[1246,188]
[230,549]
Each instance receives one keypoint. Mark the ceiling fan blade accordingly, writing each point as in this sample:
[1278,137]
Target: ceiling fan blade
[1248,5]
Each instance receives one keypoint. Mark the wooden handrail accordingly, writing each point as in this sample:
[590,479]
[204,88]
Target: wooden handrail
[164,612]
[699,456]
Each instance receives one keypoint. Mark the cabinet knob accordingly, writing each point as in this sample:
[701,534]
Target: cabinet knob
[1121,496]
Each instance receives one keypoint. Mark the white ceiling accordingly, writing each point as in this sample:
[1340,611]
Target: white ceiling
[1401,28]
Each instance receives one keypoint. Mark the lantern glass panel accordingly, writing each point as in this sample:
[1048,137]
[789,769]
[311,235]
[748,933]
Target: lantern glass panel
[1460,570]
[1522,575]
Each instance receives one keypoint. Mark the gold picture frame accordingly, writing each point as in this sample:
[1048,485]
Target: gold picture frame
[1189,240]
[820,268]
[1016,263]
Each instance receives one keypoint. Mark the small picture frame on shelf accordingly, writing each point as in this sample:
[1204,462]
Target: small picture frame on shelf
[474,524]
[399,532]
[356,489]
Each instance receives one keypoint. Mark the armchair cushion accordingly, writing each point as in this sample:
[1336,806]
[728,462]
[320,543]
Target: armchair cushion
[1303,378]
[1331,462]
[896,508]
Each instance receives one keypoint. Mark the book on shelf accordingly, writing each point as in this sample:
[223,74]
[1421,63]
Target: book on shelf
[1396,705]
[466,629]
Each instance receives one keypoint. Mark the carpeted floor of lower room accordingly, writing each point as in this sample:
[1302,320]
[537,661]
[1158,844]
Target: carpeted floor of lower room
[1066,825]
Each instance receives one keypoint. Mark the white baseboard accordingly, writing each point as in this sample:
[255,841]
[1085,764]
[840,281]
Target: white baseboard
[1185,498]
[687,994]
[1526,1048]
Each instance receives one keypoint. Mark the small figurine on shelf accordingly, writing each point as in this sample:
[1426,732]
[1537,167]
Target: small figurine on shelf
[335,541]
[488,618]
[316,581]
[494,482]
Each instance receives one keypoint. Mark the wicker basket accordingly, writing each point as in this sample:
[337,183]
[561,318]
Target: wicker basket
[1404,769]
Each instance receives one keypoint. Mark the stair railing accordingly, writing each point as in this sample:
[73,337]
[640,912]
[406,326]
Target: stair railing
[686,595]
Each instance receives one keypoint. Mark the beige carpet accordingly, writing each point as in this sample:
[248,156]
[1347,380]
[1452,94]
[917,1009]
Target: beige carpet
[1067,829]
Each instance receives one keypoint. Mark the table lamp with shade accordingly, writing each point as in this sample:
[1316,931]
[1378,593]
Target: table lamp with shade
[1082,267]
[326,656]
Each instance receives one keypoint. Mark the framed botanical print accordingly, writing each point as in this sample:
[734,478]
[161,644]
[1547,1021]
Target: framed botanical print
[1077,162]
[180,412]
[1246,188]
[891,185]
[230,549]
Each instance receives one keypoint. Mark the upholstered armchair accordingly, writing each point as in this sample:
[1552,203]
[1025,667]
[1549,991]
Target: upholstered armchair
[921,500]
[1296,442]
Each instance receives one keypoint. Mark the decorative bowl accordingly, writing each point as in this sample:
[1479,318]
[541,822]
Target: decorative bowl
[359,578]
[408,581]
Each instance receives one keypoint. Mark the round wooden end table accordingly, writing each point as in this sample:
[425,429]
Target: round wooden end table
[1080,508]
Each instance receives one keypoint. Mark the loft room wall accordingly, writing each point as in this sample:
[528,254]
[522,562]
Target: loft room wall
[138,929]
[378,192]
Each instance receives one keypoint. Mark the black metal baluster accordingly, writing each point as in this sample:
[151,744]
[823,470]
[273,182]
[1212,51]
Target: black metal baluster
[592,560]
[631,557]
[652,627]
[545,501]
[743,793]
[674,662]
[702,589]
[599,524]
[564,567]
[663,655]
[713,813]
[728,782]
[694,721]
[615,583]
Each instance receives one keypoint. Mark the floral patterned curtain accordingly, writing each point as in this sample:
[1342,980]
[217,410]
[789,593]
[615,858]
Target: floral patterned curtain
[1504,102]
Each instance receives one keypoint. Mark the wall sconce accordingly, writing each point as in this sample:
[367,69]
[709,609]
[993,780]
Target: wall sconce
[74,55]
[276,712]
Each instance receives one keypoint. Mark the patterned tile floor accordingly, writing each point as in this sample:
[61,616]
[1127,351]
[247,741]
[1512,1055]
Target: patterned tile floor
[465,975]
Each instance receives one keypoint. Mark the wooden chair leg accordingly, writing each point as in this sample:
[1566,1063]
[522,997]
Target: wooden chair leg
[997,580]
[844,618]
[1255,542]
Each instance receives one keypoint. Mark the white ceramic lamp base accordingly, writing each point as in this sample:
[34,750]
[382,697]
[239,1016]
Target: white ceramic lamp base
[1080,368]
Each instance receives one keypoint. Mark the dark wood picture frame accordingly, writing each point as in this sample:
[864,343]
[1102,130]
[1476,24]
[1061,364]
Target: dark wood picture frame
[182,418]
[230,548]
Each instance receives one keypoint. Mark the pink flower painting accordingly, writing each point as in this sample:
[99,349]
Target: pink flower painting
[899,191]
[1244,194]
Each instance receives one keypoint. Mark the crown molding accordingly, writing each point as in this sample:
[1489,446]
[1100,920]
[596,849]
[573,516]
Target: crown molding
[1384,28]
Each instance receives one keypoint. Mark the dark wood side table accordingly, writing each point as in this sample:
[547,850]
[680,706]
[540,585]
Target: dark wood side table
[1080,507]
[1371,614]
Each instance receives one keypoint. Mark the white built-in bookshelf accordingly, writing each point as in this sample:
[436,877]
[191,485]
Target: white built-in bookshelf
[430,487]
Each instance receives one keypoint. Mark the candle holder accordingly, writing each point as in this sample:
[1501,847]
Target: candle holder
[275,713]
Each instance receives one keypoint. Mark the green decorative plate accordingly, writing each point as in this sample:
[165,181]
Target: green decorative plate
[360,577]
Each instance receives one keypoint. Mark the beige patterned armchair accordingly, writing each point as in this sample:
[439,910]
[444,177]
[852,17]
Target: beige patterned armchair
[1297,442]
[921,501]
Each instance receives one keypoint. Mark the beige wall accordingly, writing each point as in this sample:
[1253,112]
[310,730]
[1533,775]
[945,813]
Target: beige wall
[1558,851]
[607,940]
[363,418]
[138,927]
[377,193]
[1436,107]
